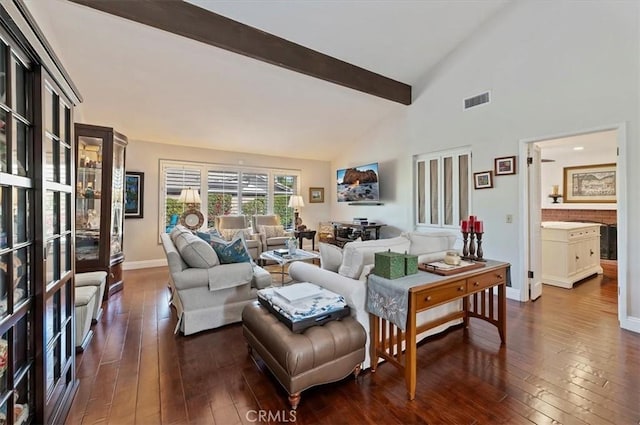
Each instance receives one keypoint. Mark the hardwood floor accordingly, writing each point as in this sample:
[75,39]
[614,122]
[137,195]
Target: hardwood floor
[566,361]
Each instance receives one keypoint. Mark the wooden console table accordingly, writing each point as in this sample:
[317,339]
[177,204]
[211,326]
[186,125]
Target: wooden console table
[424,291]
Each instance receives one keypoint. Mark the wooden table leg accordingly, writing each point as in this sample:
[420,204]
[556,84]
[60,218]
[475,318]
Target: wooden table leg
[502,312]
[374,337]
[465,309]
[410,349]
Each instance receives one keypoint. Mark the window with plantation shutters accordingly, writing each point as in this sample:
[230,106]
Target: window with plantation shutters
[442,188]
[255,193]
[283,187]
[226,190]
[222,194]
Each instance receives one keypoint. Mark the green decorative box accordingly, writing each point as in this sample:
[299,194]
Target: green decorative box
[410,264]
[390,265]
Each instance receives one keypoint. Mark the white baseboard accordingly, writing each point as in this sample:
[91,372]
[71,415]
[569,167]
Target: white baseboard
[513,293]
[133,265]
[631,324]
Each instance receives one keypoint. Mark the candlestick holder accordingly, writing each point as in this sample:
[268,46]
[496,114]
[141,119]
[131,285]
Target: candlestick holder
[465,247]
[555,197]
[472,248]
[479,253]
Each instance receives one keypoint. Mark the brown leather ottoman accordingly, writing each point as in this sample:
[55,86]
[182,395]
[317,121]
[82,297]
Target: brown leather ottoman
[319,355]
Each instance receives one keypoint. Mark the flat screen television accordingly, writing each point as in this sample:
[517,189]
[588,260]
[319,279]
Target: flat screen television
[358,184]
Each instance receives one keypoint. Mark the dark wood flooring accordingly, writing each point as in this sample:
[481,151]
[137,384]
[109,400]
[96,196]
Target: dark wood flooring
[566,361]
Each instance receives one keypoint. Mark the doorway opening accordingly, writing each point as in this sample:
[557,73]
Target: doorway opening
[548,178]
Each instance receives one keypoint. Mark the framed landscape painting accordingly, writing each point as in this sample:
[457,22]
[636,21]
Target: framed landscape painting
[133,194]
[316,195]
[590,183]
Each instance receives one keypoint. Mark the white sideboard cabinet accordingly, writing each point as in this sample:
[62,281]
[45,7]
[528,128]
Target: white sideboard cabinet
[570,252]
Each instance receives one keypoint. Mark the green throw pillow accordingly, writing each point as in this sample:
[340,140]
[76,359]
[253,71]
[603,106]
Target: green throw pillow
[231,252]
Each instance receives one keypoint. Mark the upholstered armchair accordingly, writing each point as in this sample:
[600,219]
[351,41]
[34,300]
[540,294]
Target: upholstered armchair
[272,233]
[229,225]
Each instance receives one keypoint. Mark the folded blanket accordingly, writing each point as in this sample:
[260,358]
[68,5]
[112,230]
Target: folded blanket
[322,301]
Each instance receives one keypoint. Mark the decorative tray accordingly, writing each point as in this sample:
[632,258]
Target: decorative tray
[298,326]
[444,269]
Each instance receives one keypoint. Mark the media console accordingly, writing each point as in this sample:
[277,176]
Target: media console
[344,232]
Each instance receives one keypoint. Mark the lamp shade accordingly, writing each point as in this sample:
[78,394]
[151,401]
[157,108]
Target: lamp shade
[296,201]
[190,196]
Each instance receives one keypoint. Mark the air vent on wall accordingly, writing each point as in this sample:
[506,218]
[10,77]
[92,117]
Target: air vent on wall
[476,100]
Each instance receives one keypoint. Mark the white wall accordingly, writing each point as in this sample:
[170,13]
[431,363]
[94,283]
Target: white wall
[141,246]
[552,68]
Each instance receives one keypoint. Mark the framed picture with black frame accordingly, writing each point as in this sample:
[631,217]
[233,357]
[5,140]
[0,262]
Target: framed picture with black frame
[505,165]
[483,180]
[134,194]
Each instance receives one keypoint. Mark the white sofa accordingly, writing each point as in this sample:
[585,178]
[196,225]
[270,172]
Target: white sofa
[348,278]
[205,293]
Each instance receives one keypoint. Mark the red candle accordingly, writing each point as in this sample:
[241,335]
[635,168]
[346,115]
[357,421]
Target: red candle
[479,228]
[465,226]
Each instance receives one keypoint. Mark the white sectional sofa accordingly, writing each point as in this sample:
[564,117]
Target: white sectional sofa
[345,272]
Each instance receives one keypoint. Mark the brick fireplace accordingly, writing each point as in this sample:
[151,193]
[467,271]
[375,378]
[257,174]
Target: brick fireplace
[594,216]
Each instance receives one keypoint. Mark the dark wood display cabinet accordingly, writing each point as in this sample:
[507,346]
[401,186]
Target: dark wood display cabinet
[37,181]
[100,202]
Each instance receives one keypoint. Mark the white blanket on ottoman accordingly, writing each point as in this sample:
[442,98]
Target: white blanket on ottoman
[319,300]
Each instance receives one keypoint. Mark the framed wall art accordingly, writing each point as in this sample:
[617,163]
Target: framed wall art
[316,195]
[505,165]
[590,184]
[483,180]
[133,194]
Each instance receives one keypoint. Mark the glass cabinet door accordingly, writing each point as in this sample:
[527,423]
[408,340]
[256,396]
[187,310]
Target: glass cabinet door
[100,201]
[117,202]
[88,197]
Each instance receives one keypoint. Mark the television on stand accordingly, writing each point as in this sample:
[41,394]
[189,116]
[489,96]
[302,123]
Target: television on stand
[359,184]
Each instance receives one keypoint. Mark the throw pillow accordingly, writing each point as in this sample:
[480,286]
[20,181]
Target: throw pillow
[195,252]
[366,271]
[178,230]
[229,234]
[206,236]
[330,257]
[272,231]
[430,242]
[234,251]
[358,254]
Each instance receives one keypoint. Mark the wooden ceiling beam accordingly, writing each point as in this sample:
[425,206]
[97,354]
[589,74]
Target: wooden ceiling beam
[187,20]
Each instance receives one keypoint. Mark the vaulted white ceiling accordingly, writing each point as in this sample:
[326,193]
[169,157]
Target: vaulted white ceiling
[156,86]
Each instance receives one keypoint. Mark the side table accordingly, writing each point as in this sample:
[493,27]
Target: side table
[308,234]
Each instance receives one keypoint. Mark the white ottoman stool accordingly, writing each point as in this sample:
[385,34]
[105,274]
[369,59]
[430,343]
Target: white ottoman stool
[85,304]
[99,280]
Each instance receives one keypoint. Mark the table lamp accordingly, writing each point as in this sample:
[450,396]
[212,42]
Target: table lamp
[192,218]
[295,202]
